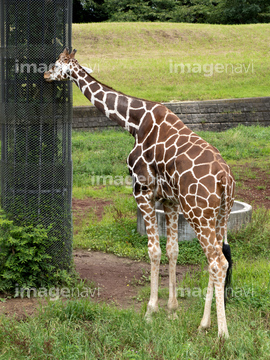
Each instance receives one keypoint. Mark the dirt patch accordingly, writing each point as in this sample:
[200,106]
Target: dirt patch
[20,307]
[114,280]
[118,279]
[81,208]
[254,190]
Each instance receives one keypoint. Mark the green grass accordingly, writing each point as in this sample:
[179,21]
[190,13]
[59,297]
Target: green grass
[141,59]
[116,233]
[241,143]
[93,154]
[79,328]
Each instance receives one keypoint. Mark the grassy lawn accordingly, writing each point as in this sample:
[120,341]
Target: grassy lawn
[80,329]
[93,154]
[83,329]
[144,59]
[116,231]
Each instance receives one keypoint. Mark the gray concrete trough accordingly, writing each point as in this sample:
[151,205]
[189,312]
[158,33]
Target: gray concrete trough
[240,216]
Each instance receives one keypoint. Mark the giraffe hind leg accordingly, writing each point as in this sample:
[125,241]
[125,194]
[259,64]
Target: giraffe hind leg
[217,272]
[221,231]
[206,320]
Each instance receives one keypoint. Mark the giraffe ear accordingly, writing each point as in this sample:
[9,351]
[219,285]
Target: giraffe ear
[66,51]
[72,54]
[89,71]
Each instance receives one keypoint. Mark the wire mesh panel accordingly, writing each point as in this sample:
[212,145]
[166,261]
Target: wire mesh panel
[36,119]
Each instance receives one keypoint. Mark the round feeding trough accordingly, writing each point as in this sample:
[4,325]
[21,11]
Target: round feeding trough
[240,216]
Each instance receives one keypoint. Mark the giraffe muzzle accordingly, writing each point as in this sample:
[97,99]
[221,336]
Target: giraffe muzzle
[47,76]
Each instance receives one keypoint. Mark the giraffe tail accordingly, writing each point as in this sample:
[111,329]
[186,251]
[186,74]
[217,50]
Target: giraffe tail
[226,247]
[228,280]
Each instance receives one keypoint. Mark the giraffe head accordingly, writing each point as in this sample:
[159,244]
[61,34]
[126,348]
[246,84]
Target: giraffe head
[63,67]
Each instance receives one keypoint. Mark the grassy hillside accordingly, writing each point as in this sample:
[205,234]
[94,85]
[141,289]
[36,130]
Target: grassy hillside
[167,61]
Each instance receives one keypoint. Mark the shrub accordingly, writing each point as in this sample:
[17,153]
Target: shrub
[24,260]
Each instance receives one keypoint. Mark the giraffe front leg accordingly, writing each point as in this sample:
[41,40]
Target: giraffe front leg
[172,249]
[147,207]
[155,255]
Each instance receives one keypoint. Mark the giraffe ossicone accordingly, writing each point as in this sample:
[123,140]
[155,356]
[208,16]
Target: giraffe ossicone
[171,164]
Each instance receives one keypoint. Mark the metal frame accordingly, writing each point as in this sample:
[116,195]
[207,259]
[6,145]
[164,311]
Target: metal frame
[36,119]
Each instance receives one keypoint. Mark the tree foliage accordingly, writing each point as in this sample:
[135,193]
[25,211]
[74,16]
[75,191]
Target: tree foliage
[85,11]
[192,11]
[244,11]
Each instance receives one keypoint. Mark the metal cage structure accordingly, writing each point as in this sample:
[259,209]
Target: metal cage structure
[36,119]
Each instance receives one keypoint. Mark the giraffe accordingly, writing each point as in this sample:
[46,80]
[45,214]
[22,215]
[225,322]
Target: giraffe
[171,164]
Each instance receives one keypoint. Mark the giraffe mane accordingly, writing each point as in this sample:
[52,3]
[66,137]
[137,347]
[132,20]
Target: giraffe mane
[70,57]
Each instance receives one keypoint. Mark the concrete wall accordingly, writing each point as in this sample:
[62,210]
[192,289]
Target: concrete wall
[215,115]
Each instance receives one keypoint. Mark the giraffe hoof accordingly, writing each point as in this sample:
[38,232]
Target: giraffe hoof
[173,316]
[205,324]
[148,318]
[223,335]
[149,313]
[202,328]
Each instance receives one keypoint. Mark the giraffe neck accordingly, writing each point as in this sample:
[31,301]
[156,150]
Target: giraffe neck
[125,110]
